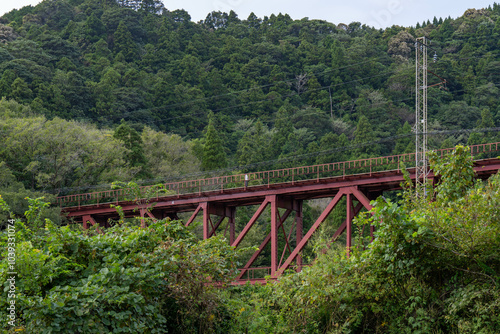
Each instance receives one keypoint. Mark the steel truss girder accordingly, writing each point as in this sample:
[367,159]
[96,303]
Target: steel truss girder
[350,193]
[276,202]
[277,222]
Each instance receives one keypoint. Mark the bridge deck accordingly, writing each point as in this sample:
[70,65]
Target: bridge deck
[374,182]
[282,191]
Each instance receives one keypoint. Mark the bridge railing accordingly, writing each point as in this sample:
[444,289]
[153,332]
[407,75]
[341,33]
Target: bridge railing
[277,176]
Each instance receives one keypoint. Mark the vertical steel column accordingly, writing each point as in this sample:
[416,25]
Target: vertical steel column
[86,219]
[206,220]
[231,222]
[349,224]
[262,245]
[274,234]
[300,246]
[299,230]
[143,222]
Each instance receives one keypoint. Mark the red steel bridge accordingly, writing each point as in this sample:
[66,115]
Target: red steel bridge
[215,201]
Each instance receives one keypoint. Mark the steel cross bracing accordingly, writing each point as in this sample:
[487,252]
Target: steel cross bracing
[277,197]
[421,116]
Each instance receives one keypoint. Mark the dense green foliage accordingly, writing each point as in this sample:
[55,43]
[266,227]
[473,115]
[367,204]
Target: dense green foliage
[56,155]
[94,92]
[277,87]
[129,280]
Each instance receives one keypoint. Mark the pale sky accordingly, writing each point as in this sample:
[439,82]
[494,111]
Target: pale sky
[377,13]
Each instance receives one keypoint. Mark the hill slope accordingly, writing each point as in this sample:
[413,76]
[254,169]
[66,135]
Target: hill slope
[277,87]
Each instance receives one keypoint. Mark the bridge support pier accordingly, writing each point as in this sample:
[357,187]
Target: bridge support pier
[351,193]
[143,212]
[278,219]
[281,240]
[222,211]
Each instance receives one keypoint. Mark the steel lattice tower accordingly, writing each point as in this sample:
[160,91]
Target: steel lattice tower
[421,116]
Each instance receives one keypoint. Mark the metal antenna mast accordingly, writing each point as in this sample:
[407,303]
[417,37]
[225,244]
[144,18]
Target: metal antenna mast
[421,116]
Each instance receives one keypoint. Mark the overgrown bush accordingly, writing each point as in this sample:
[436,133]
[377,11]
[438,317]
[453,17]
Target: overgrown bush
[128,280]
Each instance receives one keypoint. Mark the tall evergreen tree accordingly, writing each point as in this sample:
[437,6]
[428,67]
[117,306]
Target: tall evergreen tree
[151,6]
[283,129]
[252,147]
[405,144]
[332,148]
[133,142]
[124,43]
[365,136]
[93,28]
[486,121]
[21,91]
[6,82]
[214,154]
[253,21]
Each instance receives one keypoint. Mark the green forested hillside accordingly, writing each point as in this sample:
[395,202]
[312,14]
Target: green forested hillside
[100,91]
[277,88]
